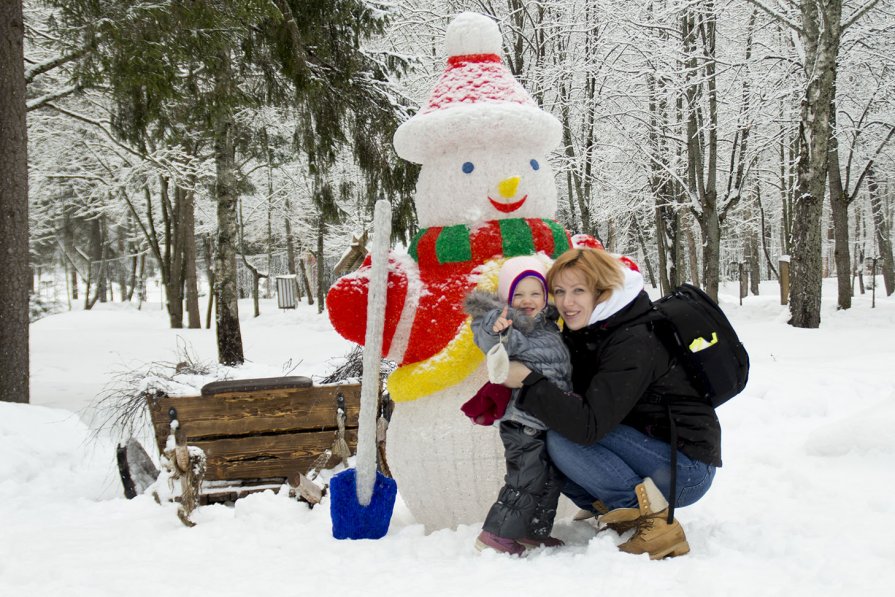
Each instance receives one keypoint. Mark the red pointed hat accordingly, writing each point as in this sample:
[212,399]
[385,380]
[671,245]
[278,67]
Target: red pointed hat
[476,102]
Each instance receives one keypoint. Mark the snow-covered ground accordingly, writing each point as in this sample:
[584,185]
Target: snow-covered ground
[803,505]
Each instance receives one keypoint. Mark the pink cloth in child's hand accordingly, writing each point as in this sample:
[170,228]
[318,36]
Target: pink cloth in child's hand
[488,404]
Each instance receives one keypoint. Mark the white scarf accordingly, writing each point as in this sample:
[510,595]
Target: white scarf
[619,299]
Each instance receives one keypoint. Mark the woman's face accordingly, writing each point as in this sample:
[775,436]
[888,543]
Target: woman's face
[574,300]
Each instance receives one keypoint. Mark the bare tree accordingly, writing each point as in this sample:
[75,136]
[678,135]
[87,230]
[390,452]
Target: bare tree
[819,28]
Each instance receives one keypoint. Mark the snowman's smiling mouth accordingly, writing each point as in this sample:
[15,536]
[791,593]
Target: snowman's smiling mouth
[507,207]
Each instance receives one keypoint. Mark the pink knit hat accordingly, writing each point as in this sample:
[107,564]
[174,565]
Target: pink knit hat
[514,270]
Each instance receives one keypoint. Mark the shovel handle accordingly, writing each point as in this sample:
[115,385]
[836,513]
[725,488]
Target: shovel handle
[366,427]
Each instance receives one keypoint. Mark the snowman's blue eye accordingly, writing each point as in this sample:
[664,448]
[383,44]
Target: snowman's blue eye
[468,167]
[534,165]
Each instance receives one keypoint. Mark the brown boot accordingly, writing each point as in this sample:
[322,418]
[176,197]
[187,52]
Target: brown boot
[620,520]
[653,535]
[598,506]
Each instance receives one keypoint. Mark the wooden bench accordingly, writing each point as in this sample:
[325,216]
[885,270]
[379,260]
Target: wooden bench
[255,434]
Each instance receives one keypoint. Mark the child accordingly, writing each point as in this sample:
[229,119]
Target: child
[523,514]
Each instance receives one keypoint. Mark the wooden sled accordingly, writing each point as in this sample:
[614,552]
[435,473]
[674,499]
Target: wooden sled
[250,435]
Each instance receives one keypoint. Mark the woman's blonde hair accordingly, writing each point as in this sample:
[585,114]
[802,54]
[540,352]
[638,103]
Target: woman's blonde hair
[600,270]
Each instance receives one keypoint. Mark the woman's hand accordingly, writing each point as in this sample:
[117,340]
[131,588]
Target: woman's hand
[502,322]
[518,372]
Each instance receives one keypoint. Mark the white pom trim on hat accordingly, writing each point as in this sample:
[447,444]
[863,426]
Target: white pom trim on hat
[472,33]
[469,126]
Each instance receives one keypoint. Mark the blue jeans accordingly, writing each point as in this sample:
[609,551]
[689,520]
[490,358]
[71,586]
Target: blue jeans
[610,469]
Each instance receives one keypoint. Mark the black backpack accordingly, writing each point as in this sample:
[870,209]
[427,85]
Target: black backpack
[696,331]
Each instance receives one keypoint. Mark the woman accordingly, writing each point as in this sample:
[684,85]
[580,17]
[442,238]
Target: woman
[612,437]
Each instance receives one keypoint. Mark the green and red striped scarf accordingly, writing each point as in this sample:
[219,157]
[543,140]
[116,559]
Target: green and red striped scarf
[443,245]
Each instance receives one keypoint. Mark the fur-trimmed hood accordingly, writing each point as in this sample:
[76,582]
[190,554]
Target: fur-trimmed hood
[478,303]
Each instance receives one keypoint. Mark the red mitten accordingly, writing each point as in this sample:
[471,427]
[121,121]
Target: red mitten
[632,265]
[586,241]
[346,302]
[488,404]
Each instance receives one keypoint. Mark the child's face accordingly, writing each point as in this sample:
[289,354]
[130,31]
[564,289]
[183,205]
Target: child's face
[529,296]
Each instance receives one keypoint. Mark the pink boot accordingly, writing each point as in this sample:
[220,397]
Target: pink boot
[532,543]
[487,540]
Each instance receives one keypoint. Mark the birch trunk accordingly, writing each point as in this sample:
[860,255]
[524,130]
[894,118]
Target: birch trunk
[692,254]
[820,38]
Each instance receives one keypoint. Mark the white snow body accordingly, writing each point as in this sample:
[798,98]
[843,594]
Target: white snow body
[483,144]
[448,470]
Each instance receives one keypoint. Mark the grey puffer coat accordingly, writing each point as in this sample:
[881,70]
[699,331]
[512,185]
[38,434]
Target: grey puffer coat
[533,341]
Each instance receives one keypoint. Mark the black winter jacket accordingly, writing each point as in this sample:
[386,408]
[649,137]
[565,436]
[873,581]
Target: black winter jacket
[622,373]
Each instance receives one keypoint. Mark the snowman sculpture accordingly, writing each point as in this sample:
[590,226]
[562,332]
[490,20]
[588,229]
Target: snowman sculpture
[485,193]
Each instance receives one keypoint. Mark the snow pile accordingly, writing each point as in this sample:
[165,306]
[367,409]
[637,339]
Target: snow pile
[802,505]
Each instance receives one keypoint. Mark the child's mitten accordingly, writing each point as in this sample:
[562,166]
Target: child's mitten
[498,363]
[488,405]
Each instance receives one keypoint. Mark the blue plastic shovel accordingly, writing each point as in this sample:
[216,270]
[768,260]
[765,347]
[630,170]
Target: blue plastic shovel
[362,499]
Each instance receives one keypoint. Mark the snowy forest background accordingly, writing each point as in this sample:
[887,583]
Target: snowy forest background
[209,146]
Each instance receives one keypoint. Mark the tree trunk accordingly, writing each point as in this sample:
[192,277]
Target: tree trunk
[121,261]
[839,203]
[110,265]
[65,265]
[290,239]
[859,252]
[305,281]
[256,291]
[668,242]
[132,283]
[820,39]
[209,272]
[702,141]
[785,197]
[96,268]
[321,230]
[754,263]
[176,238]
[102,280]
[256,286]
[290,254]
[692,253]
[68,249]
[256,275]
[267,282]
[649,267]
[711,251]
[881,231]
[141,282]
[229,335]
[662,187]
[190,277]
[14,251]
